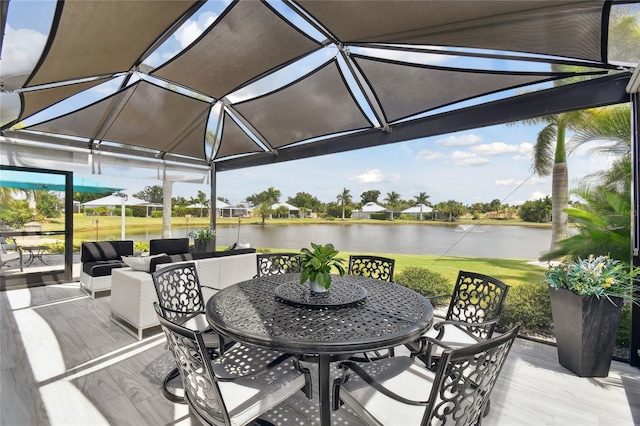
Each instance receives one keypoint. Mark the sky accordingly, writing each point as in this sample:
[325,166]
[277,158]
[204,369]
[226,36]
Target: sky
[479,165]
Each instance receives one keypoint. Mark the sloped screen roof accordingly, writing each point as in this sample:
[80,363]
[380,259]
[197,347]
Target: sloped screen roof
[550,27]
[303,78]
[103,37]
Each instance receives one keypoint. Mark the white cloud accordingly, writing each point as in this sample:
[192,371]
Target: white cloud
[184,36]
[538,195]
[191,30]
[521,158]
[425,154]
[496,148]
[370,176]
[461,140]
[21,50]
[462,158]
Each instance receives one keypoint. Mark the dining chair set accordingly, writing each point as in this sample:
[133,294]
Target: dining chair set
[448,375]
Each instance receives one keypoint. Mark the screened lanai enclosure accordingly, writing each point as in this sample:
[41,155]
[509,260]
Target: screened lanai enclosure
[280,80]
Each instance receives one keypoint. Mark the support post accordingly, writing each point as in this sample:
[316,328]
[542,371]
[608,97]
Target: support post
[214,197]
[634,358]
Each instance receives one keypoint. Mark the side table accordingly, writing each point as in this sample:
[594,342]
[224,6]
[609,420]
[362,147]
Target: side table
[132,297]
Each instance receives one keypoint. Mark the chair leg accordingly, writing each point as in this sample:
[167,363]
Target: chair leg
[165,390]
[487,408]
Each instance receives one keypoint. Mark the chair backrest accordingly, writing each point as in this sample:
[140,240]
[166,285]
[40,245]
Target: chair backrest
[377,267]
[179,291]
[278,263]
[464,380]
[477,298]
[200,385]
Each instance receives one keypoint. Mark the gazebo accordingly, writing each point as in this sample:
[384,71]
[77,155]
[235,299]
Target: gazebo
[298,79]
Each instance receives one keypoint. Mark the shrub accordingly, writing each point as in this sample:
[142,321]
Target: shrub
[156,213]
[529,305]
[425,282]
[380,216]
[56,248]
[623,339]
[141,246]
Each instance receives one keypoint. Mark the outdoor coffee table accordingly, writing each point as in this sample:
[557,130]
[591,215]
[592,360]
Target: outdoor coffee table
[266,312]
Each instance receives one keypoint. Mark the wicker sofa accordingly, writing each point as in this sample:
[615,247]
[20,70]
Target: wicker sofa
[133,292]
[99,259]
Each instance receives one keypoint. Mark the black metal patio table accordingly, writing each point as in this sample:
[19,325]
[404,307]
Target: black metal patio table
[357,314]
[35,252]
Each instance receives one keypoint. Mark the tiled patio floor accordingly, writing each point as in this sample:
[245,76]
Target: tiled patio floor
[64,362]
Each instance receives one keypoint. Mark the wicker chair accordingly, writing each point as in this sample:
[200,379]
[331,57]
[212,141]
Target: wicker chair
[384,392]
[277,263]
[377,267]
[237,387]
[474,311]
[181,301]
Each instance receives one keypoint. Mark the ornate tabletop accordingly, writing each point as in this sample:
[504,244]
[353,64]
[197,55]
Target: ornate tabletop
[251,312]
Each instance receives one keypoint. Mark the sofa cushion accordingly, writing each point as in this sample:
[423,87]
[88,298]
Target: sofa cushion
[158,261]
[169,246]
[94,251]
[101,268]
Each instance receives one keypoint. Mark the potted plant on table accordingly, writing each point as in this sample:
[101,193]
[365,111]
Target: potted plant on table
[316,266]
[204,239]
[586,299]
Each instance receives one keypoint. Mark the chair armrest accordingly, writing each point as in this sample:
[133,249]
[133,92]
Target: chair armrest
[440,326]
[185,316]
[265,369]
[423,347]
[349,365]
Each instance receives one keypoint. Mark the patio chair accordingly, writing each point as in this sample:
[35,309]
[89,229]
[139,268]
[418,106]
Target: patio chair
[384,392]
[474,311]
[181,301]
[377,267]
[9,252]
[277,263]
[237,387]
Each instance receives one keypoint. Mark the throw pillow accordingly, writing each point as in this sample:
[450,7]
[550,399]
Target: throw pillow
[140,263]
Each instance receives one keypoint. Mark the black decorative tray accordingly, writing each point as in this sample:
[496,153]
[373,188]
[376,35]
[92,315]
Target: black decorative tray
[339,294]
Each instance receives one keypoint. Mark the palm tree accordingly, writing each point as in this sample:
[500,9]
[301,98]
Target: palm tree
[392,199]
[422,198]
[550,157]
[273,195]
[263,210]
[344,198]
[610,124]
[605,224]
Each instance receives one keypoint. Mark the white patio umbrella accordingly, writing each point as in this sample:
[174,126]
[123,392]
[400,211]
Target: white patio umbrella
[115,199]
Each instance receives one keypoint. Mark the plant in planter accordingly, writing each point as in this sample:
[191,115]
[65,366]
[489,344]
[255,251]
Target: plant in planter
[204,239]
[316,266]
[586,299]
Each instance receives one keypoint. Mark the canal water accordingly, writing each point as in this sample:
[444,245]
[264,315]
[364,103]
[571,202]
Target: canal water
[506,242]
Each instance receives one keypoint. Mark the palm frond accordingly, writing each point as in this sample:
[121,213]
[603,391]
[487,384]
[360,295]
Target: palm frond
[543,151]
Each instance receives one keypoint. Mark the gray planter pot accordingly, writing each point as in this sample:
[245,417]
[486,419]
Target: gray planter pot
[585,329]
[204,246]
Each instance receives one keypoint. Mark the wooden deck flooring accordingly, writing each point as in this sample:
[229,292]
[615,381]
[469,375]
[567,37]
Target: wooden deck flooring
[64,362]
